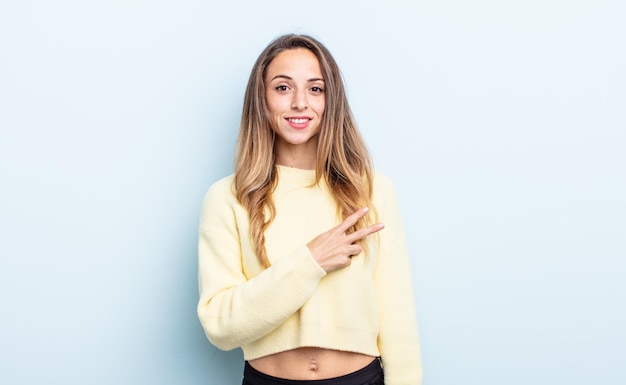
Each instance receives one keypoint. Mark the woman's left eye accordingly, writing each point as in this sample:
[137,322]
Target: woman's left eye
[317,89]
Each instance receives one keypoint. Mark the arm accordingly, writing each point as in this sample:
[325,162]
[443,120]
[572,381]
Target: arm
[233,309]
[398,339]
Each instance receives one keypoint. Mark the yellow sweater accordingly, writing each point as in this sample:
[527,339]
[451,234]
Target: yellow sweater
[366,307]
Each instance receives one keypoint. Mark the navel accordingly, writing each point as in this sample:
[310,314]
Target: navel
[313,365]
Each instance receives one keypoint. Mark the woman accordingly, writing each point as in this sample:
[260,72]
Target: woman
[293,265]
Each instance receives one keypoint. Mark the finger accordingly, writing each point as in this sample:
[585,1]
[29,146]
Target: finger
[354,249]
[352,219]
[364,232]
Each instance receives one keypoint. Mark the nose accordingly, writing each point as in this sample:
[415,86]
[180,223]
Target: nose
[299,102]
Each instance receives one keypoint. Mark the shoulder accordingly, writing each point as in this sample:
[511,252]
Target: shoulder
[384,197]
[220,192]
[383,186]
[219,205]
[223,186]
[381,180]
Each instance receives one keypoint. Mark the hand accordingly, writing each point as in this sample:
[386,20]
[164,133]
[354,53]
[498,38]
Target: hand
[334,249]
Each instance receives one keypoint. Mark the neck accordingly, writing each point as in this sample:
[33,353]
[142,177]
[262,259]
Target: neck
[302,156]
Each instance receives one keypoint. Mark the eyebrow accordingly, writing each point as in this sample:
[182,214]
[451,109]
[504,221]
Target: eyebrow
[290,78]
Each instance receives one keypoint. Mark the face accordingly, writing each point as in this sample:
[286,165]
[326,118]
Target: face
[295,99]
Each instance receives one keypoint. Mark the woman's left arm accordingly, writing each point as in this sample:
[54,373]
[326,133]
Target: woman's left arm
[398,339]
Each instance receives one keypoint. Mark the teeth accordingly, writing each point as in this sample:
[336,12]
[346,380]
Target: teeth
[299,121]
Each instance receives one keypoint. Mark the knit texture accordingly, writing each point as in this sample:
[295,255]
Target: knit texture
[366,307]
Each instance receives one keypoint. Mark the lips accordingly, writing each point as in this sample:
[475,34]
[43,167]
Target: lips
[299,121]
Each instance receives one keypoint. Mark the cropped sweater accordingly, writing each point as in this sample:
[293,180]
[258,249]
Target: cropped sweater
[366,307]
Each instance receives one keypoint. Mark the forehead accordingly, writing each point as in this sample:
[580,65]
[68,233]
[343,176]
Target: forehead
[295,63]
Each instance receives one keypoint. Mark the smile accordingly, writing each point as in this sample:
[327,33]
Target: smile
[298,120]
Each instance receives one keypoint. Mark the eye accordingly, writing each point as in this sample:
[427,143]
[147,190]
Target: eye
[281,88]
[317,90]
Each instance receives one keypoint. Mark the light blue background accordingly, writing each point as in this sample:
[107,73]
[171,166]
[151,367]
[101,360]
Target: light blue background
[502,124]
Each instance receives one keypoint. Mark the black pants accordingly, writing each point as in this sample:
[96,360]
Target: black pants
[372,374]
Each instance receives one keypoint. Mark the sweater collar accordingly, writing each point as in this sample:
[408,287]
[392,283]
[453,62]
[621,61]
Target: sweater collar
[298,175]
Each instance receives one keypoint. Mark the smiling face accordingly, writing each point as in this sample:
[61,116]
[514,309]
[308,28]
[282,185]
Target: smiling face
[294,91]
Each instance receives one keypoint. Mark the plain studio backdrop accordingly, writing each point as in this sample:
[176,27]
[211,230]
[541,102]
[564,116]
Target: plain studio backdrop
[502,124]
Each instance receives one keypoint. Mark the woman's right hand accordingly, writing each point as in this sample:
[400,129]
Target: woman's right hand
[334,249]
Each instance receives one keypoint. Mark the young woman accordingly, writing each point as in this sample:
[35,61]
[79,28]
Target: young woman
[295,264]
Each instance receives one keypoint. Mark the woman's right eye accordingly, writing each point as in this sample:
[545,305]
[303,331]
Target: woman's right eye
[281,88]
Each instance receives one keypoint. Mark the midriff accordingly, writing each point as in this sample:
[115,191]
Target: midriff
[311,363]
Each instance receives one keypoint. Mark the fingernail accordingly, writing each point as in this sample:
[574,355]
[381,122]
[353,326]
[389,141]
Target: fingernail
[365,209]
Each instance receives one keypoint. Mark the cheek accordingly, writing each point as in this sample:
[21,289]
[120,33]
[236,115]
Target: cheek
[270,102]
[321,106]
[274,106]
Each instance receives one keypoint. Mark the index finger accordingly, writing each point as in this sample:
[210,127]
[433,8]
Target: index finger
[352,219]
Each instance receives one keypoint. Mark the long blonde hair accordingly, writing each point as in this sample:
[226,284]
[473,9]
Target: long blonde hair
[342,157]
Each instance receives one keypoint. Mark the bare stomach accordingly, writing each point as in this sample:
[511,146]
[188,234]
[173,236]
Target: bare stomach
[311,363]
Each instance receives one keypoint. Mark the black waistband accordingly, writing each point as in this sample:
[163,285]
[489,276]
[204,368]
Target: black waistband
[368,374]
